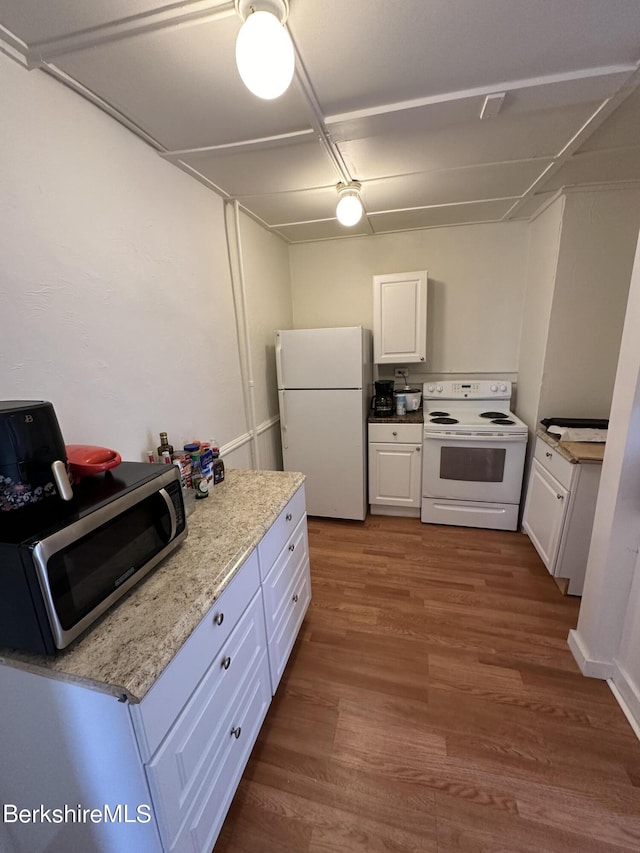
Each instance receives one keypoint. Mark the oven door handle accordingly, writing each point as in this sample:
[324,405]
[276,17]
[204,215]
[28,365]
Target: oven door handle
[467,436]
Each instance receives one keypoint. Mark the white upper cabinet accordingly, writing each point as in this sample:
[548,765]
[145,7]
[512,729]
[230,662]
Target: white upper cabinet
[400,317]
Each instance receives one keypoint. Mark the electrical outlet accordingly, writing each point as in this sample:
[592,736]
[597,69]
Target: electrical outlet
[401,372]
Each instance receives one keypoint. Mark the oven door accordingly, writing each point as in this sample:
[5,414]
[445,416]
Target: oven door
[486,468]
[86,567]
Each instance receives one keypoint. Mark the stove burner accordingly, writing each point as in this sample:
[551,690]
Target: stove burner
[438,414]
[503,421]
[493,415]
[444,421]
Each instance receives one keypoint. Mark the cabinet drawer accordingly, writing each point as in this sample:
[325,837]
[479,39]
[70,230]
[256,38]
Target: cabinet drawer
[556,464]
[277,587]
[199,832]
[286,630]
[404,433]
[155,714]
[201,735]
[280,531]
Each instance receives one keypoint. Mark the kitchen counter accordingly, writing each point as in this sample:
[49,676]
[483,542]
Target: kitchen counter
[129,647]
[574,451]
[409,418]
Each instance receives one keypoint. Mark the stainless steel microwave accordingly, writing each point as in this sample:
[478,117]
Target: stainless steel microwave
[55,582]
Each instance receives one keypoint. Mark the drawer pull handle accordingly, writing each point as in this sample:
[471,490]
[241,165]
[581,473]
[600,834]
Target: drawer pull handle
[288,516]
[218,618]
[418,449]
[226,663]
[292,546]
[236,732]
[560,497]
[295,598]
[548,455]
[394,433]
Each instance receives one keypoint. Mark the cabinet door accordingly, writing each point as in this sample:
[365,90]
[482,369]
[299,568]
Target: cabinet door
[544,513]
[400,317]
[394,474]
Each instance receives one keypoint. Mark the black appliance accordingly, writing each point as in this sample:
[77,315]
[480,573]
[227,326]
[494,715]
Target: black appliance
[54,583]
[382,402]
[34,473]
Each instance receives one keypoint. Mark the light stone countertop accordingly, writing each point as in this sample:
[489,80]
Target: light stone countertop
[126,650]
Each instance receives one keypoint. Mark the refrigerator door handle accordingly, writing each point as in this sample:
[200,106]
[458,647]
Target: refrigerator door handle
[283,419]
[279,377]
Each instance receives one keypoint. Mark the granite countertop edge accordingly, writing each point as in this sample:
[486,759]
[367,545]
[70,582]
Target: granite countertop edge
[127,649]
[410,418]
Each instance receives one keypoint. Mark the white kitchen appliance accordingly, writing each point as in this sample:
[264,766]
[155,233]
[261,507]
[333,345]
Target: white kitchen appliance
[473,457]
[324,391]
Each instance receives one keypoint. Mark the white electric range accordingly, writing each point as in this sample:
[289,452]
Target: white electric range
[474,450]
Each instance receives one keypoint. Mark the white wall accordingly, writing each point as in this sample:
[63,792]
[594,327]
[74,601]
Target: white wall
[605,642]
[476,287]
[115,297]
[268,290]
[542,259]
[599,234]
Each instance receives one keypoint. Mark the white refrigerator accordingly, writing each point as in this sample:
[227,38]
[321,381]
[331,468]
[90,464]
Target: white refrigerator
[324,390]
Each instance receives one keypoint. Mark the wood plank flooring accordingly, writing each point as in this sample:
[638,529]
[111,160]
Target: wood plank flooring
[431,705]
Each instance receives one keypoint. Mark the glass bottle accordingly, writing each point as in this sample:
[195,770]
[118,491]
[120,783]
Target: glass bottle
[164,445]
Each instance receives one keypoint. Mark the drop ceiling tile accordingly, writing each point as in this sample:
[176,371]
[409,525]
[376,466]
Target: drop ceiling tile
[35,21]
[328,229]
[432,217]
[621,129]
[267,168]
[505,137]
[451,186]
[596,167]
[444,111]
[425,117]
[181,86]
[293,207]
[362,55]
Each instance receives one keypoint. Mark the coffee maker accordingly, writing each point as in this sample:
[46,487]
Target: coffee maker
[382,402]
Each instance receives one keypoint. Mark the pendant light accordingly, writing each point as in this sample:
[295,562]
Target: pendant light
[264,50]
[349,208]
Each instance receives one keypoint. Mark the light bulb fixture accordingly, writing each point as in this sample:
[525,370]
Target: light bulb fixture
[264,50]
[349,208]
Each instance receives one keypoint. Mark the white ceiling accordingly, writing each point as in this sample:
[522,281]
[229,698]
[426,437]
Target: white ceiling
[387,92]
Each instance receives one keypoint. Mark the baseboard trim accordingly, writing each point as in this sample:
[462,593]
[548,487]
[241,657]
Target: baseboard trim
[405,511]
[589,666]
[627,694]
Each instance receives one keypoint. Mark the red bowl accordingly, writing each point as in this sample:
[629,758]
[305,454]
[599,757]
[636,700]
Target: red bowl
[87,459]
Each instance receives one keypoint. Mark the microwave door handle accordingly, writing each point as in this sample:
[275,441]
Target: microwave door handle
[172,513]
[454,436]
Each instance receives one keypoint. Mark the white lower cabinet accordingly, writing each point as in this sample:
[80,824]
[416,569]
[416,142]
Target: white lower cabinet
[558,513]
[178,755]
[198,723]
[286,585]
[395,469]
[229,705]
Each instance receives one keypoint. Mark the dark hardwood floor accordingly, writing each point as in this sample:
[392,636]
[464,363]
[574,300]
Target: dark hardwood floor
[431,705]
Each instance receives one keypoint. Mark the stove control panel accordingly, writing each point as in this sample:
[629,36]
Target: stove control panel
[479,389]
